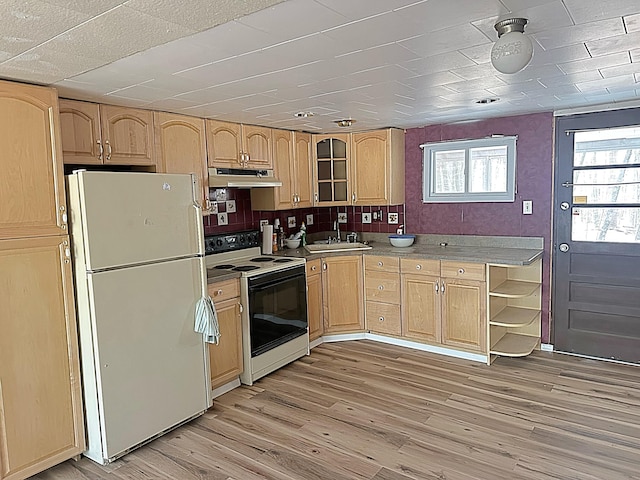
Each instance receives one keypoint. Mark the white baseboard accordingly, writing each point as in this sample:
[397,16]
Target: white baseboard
[475,357]
[227,387]
[546,347]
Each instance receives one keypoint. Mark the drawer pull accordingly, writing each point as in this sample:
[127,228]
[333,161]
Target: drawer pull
[460,271]
[443,287]
[313,268]
[418,267]
[219,292]
[380,264]
[436,287]
[381,319]
[380,287]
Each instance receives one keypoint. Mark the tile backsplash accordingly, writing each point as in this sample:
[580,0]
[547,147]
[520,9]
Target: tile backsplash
[323,217]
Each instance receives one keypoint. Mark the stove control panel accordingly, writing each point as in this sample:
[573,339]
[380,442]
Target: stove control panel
[227,242]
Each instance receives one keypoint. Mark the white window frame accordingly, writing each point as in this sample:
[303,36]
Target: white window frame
[428,179]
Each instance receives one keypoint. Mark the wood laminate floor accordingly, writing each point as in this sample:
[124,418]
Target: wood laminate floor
[365,410]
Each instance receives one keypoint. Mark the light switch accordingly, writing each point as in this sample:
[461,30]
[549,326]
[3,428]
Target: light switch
[366,217]
[310,219]
[231,206]
[527,207]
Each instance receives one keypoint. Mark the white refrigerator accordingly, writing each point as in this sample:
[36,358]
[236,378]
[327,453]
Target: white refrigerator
[139,268]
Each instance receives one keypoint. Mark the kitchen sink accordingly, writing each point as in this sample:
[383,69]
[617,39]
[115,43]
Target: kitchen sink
[336,247]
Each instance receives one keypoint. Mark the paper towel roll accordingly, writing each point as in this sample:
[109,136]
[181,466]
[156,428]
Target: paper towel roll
[267,239]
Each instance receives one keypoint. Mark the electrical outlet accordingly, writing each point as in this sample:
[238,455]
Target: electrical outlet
[291,222]
[392,218]
[263,223]
[220,194]
[231,206]
[366,217]
[310,219]
[342,217]
[223,219]
[527,207]
[214,208]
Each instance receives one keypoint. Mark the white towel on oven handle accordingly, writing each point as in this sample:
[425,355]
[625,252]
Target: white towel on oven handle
[207,320]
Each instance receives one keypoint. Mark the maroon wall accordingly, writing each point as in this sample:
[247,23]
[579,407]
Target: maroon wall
[534,150]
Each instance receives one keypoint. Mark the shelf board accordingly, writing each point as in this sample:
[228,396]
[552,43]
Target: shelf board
[514,345]
[514,289]
[512,317]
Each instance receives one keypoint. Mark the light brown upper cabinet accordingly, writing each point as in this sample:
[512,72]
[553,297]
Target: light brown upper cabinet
[331,169]
[292,166]
[106,134]
[31,176]
[181,147]
[377,167]
[233,145]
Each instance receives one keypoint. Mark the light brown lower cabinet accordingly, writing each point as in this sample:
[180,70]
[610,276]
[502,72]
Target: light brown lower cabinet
[41,417]
[342,294]
[225,359]
[382,294]
[314,298]
[444,302]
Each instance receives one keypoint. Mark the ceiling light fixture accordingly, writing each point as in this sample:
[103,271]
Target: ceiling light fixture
[345,123]
[303,114]
[513,50]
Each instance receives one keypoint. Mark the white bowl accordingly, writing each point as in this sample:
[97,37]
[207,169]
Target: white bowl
[402,240]
[292,242]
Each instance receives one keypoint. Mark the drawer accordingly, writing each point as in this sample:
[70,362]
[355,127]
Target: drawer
[377,263]
[382,287]
[224,290]
[463,270]
[420,266]
[383,318]
[314,267]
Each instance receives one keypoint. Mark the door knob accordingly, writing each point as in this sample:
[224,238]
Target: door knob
[564,206]
[563,247]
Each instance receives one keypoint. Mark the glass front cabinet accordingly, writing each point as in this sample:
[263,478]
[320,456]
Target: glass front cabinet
[331,169]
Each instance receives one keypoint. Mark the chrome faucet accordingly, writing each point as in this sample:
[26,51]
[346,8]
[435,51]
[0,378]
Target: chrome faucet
[336,228]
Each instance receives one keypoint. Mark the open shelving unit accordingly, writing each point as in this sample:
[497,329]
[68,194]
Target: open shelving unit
[514,304]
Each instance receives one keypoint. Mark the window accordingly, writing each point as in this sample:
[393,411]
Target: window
[469,170]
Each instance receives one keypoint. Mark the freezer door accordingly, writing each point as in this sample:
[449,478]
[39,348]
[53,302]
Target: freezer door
[146,364]
[127,218]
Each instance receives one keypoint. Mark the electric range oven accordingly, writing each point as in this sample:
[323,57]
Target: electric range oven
[274,293]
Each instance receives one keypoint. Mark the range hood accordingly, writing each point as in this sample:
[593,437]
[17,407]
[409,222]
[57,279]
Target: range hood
[242,178]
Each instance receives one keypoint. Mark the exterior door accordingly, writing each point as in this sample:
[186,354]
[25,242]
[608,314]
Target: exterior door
[596,295]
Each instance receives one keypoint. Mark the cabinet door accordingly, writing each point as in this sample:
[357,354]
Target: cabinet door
[257,144]
[421,307]
[303,170]
[127,135]
[31,177]
[80,129]
[464,314]
[181,147]
[314,304]
[284,169]
[370,168]
[226,357]
[331,170]
[41,418]
[224,144]
[343,294]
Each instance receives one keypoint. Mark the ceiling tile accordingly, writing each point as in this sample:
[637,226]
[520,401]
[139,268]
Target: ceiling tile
[620,70]
[557,55]
[438,63]
[486,83]
[632,23]
[26,24]
[619,43]
[234,38]
[595,63]
[355,11]
[584,12]
[479,53]
[436,15]
[597,85]
[560,37]
[435,43]
[571,78]
[45,64]
[89,7]
[198,15]
[117,37]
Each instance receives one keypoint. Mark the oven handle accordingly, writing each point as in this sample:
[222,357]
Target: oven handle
[274,279]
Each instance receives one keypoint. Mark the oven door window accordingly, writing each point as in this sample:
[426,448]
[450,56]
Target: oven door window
[277,308]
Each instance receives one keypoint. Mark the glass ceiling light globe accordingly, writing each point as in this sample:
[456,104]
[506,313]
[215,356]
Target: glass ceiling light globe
[513,50]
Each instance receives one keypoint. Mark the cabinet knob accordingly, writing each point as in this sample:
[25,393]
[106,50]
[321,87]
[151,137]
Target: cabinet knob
[380,264]
[460,271]
[381,319]
[219,292]
[313,268]
[418,267]
[380,287]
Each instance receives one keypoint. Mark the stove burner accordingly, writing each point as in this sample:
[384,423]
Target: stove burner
[262,259]
[282,260]
[224,267]
[245,268]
